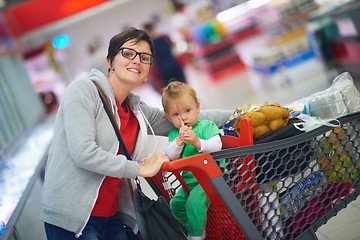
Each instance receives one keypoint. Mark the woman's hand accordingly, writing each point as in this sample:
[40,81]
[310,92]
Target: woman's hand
[152,164]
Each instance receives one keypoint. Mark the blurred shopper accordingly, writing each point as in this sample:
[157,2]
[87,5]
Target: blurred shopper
[86,194]
[97,56]
[166,65]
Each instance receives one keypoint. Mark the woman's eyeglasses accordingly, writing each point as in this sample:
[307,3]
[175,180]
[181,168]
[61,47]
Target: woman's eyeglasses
[131,54]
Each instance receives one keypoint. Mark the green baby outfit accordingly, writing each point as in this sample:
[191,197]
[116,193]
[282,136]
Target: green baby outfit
[191,209]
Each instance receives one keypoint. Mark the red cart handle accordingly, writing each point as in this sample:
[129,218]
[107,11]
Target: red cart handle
[203,163]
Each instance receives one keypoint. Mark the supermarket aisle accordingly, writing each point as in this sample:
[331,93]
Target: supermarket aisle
[248,87]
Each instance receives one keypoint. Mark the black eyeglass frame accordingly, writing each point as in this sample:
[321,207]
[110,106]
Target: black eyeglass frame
[137,53]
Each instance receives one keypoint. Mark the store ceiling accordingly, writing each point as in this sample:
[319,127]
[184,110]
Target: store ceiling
[22,16]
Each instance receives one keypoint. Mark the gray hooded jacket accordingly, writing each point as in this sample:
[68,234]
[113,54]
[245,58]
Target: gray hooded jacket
[84,147]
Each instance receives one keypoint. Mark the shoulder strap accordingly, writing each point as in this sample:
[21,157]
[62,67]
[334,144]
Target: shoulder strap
[112,120]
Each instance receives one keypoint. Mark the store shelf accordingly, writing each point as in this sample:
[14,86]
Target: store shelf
[340,47]
[346,51]
[220,58]
[207,50]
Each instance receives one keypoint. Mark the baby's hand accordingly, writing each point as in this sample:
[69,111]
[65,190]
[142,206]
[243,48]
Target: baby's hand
[182,131]
[187,135]
[181,136]
[190,137]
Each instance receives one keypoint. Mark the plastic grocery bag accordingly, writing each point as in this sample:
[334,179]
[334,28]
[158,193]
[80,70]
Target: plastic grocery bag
[340,99]
[311,122]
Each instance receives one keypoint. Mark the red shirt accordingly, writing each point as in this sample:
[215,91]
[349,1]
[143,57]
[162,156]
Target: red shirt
[107,201]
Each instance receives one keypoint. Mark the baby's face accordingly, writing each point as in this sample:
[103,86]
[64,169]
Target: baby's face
[186,110]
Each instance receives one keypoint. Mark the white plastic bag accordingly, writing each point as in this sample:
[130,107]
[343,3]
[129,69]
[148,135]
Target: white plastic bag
[340,99]
[311,122]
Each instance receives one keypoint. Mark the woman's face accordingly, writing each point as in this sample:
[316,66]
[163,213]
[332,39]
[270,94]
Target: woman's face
[131,70]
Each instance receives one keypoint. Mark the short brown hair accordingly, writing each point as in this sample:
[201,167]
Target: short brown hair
[131,33]
[174,91]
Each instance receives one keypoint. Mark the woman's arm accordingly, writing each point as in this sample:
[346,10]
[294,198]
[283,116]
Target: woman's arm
[162,126]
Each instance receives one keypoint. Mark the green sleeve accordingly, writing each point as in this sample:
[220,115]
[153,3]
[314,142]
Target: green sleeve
[211,129]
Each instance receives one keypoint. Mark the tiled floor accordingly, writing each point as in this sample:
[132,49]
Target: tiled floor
[345,225]
[248,87]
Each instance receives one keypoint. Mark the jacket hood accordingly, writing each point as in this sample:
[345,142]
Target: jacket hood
[98,77]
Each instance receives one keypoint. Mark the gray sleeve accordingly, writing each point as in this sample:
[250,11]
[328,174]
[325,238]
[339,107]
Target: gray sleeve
[218,116]
[158,122]
[162,126]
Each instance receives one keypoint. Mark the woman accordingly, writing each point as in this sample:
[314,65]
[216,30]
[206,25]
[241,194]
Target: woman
[83,194]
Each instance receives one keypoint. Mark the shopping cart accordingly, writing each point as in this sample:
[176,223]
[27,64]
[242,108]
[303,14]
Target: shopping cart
[285,189]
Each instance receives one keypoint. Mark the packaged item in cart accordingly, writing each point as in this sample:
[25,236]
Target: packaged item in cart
[335,159]
[339,99]
[318,206]
[302,193]
[264,117]
[285,132]
[287,183]
[270,215]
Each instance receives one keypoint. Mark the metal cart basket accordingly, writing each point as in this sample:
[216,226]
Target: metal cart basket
[283,189]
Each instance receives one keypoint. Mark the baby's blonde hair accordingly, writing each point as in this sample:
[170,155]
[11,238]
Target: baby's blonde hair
[174,91]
